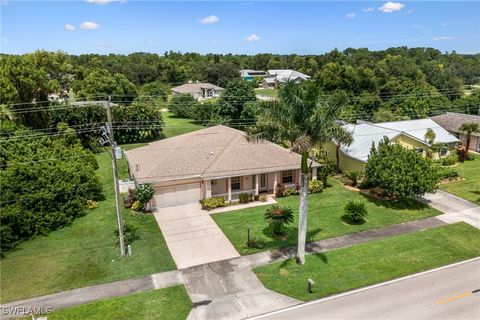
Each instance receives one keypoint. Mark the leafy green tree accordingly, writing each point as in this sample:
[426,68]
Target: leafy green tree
[99,84]
[183,106]
[154,91]
[45,184]
[469,128]
[302,119]
[401,172]
[221,74]
[237,93]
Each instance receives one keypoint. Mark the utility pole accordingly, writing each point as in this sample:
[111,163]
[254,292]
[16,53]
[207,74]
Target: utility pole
[115,178]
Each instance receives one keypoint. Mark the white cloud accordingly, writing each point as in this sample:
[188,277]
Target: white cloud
[389,7]
[69,27]
[368,9]
[252,37]
[443,24]
[440,38]
[88,25]
[102,2]
[418,27]
[350,15]
[210,19]
[408,12]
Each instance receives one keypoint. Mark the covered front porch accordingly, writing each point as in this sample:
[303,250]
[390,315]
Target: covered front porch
[256,184]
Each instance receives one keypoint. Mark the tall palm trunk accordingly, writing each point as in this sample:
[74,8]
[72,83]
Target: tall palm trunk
[337,155]
[469,138]
[303,210]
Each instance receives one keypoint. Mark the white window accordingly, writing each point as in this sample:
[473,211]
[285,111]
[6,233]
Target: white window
[287,176]
[419,150]
[235,183]
[443,151]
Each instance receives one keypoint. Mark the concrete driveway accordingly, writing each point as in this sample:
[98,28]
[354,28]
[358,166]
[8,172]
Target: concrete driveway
[192,236]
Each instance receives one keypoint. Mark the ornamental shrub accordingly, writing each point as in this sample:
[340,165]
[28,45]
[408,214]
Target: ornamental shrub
[315,186]
[144,193]
[353,176]
[355,211]
[400,172]
[280,192]
[449,160]
[277,217]
[243,197]
[448,173]
[212,203]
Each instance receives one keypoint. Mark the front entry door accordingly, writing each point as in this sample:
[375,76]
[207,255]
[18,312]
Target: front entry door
[263,182]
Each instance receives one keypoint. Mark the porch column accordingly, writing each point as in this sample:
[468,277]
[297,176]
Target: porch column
[229,185]
[208,189]
[314,173]
[257,177]
[275,182]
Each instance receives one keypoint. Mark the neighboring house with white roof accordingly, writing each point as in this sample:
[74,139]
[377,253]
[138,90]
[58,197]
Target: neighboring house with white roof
[452,122]
[278,76]
[249,75]
[216,161]
[198,90]
[408,133]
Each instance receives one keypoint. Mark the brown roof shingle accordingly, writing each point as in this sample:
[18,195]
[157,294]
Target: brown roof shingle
[452,121]
[209,153]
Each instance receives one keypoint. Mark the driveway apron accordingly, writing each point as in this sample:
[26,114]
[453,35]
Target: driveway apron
[192,236]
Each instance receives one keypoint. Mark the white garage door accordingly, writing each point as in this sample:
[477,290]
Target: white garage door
[175,195]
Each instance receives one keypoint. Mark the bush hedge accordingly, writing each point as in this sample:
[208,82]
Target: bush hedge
[212,203]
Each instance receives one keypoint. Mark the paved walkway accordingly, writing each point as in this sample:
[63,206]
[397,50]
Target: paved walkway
[266,257]
[455,209]
[103,291]
[192,236]
[270,200]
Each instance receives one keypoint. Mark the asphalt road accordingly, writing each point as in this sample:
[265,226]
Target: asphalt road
[441,294]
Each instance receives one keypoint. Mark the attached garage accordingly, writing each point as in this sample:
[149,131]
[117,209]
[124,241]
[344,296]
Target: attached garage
[175,195]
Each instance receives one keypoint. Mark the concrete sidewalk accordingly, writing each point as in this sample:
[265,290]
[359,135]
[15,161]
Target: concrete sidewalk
[455,209]
[103,291]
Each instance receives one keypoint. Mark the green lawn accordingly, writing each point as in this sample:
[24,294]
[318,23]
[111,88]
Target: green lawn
[272,93]
[369,263]
[469,188]
[175,126]
[324,218]
[169,303]
[84,253]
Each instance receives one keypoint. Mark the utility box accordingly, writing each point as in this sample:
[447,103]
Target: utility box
[118,153]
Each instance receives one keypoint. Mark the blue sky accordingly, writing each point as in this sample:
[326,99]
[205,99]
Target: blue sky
[106,26]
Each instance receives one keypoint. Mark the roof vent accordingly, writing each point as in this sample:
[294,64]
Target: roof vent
[211,153]
[137,167]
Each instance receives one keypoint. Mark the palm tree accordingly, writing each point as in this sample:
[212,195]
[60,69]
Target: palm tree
[341,136]
[299,119]
[469,128]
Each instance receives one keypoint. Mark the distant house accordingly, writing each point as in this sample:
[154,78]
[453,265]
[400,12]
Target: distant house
[214,162]
[278,76]
[409,133]
[199,90]
[451,122]
[250,75]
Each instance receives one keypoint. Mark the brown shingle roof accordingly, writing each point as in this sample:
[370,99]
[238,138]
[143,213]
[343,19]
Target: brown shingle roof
[452,121]
[210,153]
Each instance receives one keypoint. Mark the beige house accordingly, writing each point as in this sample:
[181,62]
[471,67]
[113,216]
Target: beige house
[217,161]
[452,122]
[198,90]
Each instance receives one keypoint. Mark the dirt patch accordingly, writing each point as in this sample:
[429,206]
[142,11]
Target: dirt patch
[445,181]
[346,186]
